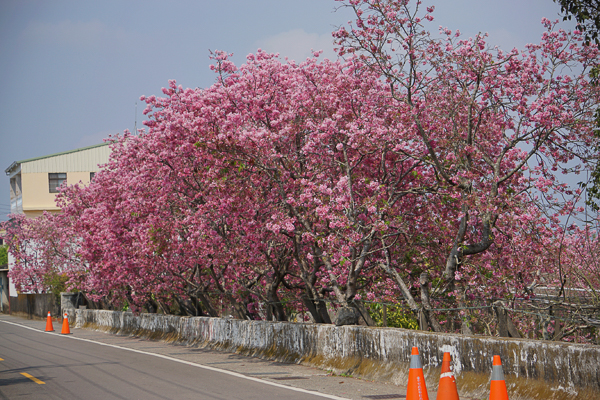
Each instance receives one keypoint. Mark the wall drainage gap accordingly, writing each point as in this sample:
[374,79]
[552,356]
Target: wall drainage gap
[285,378]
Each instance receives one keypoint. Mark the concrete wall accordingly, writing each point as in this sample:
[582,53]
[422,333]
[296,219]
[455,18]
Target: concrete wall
[533,369]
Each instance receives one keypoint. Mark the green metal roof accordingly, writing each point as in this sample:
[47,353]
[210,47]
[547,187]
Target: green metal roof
[14,164]
[63,153]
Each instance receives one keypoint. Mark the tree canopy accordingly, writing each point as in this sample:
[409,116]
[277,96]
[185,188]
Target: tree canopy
[416,168]
[587,15]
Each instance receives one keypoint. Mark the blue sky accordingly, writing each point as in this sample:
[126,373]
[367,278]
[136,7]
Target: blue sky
[71,72]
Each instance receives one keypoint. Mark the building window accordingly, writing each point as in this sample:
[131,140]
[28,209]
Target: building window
[92,174]
[55,180]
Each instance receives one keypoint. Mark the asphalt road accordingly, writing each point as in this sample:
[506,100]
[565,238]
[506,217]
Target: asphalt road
[39,365]
[95,365]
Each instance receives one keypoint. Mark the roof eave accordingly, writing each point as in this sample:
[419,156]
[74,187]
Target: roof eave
[14,165]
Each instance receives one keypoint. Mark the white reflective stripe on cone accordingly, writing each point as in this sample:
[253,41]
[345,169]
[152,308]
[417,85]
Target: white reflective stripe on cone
[497,373]
[415,361]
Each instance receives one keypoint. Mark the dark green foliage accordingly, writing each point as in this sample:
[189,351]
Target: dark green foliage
[587,15]
[593,187]
[397,316]
[3,255]
[56,283]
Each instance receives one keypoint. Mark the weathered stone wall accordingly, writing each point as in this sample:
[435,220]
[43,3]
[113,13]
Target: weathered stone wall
[533,369]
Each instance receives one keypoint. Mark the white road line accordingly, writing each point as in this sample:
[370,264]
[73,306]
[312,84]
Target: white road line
[223,371]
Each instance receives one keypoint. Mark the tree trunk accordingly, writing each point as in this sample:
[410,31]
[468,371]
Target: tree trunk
[186,307]
[512,329]
[310,306]
[506,328]
[207,305]
[423,324]
[322,309]
[318,310]
[428,315]
[465,329]
[151,306]
[395,276]
[557,331]
[238,310]
[364,313]
[274,306]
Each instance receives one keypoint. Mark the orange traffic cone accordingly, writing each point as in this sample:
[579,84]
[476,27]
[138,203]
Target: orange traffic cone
[49,327]
[498,387]
[65,327]
[447,388]
[416,389]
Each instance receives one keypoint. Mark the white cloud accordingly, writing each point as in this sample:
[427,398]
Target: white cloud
[297,44]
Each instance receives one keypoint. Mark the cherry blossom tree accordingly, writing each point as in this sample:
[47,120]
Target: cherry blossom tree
[489,124]
[422,167]
[37,246]
[290,137]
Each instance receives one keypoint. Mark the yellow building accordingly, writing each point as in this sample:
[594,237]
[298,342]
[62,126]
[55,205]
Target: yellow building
[33,187]
[34,182]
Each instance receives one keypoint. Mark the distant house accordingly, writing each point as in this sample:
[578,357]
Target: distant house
[34,182]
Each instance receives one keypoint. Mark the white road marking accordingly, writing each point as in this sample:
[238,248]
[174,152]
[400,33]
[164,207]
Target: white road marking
[223,371]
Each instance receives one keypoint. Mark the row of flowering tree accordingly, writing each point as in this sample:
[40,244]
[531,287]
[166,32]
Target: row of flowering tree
[418,167]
